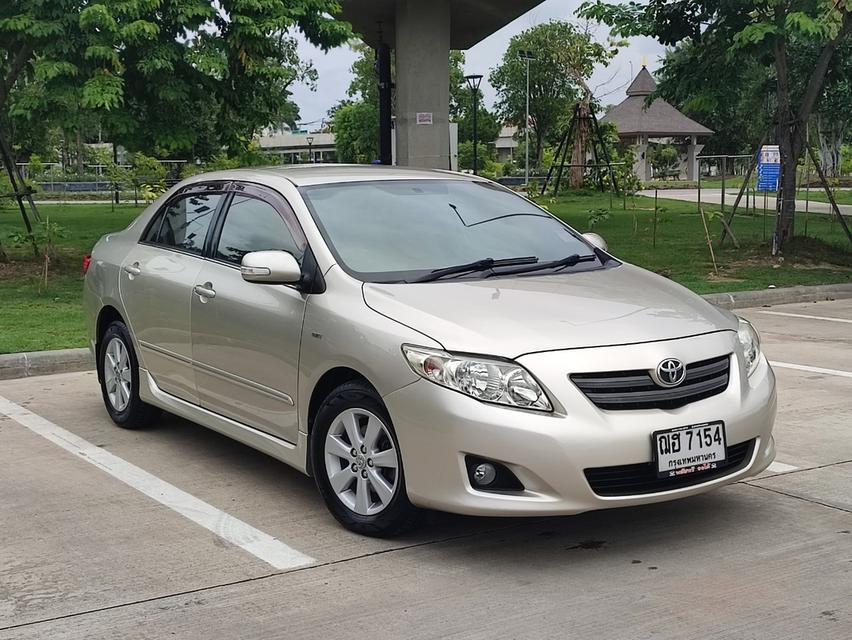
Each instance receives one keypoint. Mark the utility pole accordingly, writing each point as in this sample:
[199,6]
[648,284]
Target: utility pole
[527,55]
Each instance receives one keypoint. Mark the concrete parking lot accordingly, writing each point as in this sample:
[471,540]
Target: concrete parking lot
[177,531]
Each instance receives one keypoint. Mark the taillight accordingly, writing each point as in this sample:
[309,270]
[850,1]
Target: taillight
[87,260]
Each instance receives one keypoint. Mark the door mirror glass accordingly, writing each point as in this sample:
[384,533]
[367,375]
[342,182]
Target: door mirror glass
[270,267]
[596,240]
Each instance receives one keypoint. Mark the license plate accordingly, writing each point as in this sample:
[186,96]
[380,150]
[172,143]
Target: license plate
[691,449]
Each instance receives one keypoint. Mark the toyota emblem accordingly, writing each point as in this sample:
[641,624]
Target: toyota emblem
[670,373]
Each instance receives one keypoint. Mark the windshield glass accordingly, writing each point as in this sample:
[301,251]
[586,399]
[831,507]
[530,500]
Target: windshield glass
[387,231]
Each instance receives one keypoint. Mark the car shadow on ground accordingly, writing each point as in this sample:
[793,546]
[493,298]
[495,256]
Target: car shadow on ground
[638,531]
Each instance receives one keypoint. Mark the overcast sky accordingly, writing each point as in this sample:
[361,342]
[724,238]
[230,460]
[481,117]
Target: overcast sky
[334,76]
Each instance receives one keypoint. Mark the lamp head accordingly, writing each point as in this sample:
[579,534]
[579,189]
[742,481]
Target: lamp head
[473,81]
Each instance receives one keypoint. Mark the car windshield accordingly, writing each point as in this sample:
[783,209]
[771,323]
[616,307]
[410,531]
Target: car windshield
[403,230]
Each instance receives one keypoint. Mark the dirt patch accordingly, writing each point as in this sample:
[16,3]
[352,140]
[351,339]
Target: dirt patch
[19,270]
[712,277]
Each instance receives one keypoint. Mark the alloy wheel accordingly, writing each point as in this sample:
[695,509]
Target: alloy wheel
[361,461]
[117,374]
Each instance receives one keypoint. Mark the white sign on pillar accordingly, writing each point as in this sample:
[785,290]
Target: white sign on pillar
[424,118]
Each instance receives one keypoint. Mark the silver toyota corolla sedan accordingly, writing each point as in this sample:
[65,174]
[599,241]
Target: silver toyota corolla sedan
[422,339]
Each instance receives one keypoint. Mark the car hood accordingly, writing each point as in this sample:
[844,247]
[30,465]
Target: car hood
[513,316]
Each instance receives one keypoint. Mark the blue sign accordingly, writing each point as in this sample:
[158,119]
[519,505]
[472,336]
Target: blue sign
[768,167]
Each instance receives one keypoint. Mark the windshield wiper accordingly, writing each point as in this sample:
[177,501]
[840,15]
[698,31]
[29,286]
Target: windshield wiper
[477,265]
[570,261]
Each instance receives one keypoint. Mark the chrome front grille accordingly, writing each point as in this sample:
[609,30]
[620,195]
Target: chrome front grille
[637,390]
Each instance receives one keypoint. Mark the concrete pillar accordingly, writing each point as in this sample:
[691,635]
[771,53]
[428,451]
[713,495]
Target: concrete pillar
[641,165]
[692,153]
[423,83]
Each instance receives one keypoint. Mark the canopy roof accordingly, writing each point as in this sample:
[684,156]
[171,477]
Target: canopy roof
[659,119]
[470,21]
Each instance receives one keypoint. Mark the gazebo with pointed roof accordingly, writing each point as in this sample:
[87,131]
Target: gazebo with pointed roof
[638,121]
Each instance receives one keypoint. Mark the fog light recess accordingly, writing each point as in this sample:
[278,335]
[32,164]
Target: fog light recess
[488,475]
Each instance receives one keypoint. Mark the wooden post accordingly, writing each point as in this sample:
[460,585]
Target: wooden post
[654,244]
[709,243]
[830,195]
[730,219]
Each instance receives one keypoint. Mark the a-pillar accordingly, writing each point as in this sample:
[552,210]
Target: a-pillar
[692,153]
[423,83]
[641,164]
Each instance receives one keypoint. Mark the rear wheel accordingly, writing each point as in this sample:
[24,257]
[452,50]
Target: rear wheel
[357,465]
[119,374]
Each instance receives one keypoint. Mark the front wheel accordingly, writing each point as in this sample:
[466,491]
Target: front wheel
[119,374]
[357,465]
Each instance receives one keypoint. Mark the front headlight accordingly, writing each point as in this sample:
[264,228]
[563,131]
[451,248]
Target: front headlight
[750,340]
[485,379]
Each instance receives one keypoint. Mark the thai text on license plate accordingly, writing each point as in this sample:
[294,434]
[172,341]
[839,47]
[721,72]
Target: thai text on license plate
[691,449]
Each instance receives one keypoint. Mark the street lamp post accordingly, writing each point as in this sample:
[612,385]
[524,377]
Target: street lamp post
[473,81]
[527,55]
[310,141]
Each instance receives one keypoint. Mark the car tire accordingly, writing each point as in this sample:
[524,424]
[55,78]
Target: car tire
[118,370]
[357,465]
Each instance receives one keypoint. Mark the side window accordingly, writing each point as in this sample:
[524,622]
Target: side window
[253,225]
[185,221]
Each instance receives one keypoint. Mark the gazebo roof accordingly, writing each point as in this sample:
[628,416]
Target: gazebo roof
[659,119]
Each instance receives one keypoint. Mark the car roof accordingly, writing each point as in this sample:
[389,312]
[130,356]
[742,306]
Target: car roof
[317,174]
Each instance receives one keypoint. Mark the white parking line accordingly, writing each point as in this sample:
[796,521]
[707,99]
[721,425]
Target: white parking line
[780,467]
[256,542]
[803,315]
[804,367]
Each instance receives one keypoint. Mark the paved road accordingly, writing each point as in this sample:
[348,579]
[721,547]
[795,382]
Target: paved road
[714,196]
[83,555]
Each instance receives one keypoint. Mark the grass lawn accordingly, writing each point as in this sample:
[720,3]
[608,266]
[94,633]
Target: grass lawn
[681,251]
[841,196]
[33,319]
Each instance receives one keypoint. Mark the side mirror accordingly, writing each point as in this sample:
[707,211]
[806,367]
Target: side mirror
[596,240]
[270,267]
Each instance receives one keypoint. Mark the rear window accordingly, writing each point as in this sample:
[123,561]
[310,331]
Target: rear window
[184,222]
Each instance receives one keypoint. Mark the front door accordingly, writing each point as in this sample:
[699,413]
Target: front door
[156,282]
[246,336]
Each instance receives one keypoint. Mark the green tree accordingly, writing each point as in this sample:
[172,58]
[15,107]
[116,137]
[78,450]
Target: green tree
[355,121]
[356,132]
[731,99]
[484,153]
[177,76]
[552,91]
[487,125]
[768,33]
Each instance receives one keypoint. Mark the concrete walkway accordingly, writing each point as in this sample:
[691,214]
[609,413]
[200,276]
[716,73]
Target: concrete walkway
[714,196]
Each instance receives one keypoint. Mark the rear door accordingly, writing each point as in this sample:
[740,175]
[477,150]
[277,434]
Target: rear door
[246,336]
[156,282]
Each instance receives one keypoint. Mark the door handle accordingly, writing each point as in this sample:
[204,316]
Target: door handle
[204,291]
[133,269]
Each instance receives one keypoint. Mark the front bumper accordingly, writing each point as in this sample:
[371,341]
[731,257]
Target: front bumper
[548,452]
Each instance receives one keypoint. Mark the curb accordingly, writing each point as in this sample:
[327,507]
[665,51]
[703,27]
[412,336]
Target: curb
[37,363]
[788,295]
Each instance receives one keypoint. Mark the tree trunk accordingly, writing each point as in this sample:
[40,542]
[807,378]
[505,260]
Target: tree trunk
[65,155]
[787,214]
[786,129]
[79,145]
[578,151]
[830,135]
[538,147]
[791,126]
